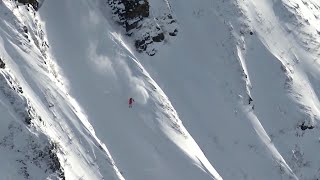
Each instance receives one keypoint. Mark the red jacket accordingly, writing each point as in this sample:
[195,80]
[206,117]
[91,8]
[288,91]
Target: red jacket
[131,100]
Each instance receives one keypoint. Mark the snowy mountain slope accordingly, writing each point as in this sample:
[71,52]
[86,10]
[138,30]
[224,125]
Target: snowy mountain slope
[67,125]
[299,62]
[24,57]
[212,46]
[111,73]
[235,91]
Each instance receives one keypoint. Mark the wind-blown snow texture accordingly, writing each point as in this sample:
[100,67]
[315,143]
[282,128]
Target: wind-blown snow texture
[224,89]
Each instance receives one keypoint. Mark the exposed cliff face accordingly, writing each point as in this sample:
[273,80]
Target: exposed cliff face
[148,29]
[33,3]
[129,13]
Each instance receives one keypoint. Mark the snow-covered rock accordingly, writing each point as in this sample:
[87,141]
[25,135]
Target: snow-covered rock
[149,24]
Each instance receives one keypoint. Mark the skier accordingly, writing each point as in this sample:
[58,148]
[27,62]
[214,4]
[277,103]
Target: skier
[131,100]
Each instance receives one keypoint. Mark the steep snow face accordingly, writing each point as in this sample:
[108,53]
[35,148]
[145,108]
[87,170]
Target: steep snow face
[243,77]
[228,85]
[293,39]
[147,141]
[100,73]
[44,134]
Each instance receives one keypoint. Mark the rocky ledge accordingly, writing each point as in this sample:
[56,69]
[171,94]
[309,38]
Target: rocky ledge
[33,3]
[148,31]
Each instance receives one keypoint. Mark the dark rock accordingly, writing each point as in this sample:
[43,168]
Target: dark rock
[33,3]
[250,100]
[2,64]
[305,127]
[130,12]
[28,120]
[20,89]
[25,29]
[141,45]
[174,33]
[136,8]
[131,26]
[53,162]
[158,38]
[152,52]
[134,16]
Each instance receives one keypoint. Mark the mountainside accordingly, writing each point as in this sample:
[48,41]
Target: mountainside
[225,89]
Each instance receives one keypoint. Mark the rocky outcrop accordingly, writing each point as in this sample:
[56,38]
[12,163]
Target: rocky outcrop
[147,31]
[32,153]
[33,3]
[129,13]
[2,64]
